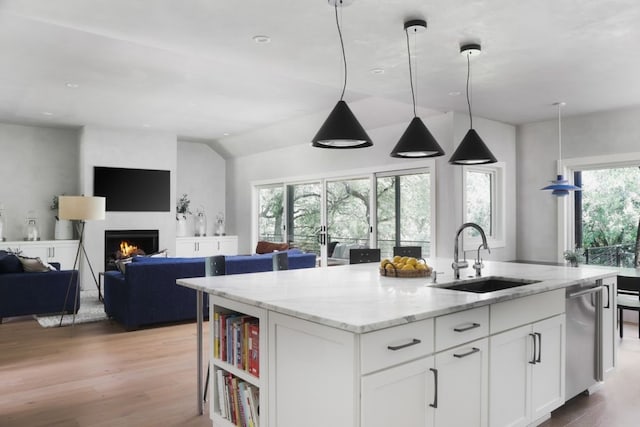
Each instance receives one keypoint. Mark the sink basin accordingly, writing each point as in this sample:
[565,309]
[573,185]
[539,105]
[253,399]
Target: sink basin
[488,284]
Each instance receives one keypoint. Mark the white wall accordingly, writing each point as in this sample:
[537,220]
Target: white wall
[127,149]
[36,163]
[304,160]
[201,175]
[612,132]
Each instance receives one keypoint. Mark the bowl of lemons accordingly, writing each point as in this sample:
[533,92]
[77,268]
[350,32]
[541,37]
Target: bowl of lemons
[405,267]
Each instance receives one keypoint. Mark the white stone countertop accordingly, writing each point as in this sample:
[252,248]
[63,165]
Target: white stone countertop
[357,298]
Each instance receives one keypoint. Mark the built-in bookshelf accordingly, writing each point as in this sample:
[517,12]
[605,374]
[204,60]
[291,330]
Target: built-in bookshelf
[238,332]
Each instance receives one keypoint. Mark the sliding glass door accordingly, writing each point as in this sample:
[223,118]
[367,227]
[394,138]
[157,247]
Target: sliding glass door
[304,202]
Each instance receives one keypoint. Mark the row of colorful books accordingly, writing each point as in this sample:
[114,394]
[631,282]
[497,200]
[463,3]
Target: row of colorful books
[236,341]
[239,401]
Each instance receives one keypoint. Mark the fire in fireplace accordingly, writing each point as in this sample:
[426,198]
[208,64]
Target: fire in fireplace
[119,244]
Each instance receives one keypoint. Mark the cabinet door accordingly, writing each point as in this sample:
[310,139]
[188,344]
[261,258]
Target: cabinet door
[399,396]
[227,245]
[509,372]
[206,246]
[609,324]
[36,250]
[548,373]
[64,253]
[185,247]
[462,383]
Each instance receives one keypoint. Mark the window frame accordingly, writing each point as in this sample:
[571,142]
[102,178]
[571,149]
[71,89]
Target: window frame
[497,239]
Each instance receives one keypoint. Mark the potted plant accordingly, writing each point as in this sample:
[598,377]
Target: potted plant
[182,210]
[574,257]
[63,229]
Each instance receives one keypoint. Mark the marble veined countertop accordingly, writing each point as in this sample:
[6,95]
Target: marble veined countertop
[357,298]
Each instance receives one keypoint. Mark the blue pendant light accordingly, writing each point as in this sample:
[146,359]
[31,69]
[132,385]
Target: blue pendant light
[341,129]
[560,187]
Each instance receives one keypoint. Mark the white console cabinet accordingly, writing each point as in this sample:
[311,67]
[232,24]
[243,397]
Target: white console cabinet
[62,251]
[206,246]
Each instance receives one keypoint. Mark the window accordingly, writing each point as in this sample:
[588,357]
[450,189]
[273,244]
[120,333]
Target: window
[483,201]
[404,212]
[270,213]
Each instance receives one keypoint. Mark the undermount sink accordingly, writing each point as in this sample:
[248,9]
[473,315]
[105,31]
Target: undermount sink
[488,284]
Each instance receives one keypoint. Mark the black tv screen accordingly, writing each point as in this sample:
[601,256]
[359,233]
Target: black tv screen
[133,190]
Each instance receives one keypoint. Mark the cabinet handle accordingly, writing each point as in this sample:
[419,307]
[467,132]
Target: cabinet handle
[400,347]
[539,358]
[608,296]
[533,358]
[435,388]
[467,328]
[468,353]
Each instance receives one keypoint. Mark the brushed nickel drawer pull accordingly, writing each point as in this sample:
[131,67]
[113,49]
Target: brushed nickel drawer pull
[400,347]
[467,328]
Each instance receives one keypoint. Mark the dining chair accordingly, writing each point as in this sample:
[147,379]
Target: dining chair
[280,261]
[410,251]
[360,256]
[628,298]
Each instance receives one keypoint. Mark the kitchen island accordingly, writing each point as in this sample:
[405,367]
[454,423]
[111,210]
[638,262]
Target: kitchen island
[344,346]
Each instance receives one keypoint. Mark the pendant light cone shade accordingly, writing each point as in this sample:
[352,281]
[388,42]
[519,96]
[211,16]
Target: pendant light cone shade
[472,151]
[560,187]
[341,130]
[416,142]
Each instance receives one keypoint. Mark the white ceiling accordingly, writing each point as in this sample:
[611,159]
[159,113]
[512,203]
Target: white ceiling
[191,67]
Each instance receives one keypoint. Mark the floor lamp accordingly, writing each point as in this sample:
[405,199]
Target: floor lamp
[82,209]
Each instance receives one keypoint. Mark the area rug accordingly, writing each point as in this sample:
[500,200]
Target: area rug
[91,310]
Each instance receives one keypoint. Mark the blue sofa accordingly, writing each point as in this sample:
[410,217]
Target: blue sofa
[25,293]
[147,293]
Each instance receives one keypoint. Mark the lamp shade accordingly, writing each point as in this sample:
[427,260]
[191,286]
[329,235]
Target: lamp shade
[81,208]
[561,187]
[472,151]
[417,141]
[341,130]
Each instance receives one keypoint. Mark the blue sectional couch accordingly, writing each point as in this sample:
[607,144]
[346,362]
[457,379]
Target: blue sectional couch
[147,293]
[25,293]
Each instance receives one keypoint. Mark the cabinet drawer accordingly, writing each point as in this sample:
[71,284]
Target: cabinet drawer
[464,326]
[388,347]
[510,314]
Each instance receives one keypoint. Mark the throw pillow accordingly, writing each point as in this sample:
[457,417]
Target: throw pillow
[161,254]
[9,263]
[33,265]
[121,264]
[264,247]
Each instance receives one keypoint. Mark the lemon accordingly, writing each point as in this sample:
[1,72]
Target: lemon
[408,267]
[383,262]
[412,261]
[404,259]
[389,266]
[396,259]
[421,266]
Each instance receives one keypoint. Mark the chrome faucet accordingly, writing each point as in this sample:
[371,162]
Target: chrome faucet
[457,264]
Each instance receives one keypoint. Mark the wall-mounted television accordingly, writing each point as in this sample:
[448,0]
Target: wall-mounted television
[133,190]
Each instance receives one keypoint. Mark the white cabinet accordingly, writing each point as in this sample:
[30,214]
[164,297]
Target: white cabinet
[401,396]
[609,321]
[62,251]
[527,366]
[206,246]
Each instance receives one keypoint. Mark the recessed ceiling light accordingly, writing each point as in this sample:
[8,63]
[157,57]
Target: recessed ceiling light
[72,85]
[226,134]
[454,93]
[47,113]
[262,39]
[377,71]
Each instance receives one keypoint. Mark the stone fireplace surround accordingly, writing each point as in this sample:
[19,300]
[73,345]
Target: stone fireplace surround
[145,240]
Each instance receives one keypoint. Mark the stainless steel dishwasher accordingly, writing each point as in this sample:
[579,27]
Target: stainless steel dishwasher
[584,337]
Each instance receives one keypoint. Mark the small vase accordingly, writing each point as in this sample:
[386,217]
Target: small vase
[63,229]
[181,226]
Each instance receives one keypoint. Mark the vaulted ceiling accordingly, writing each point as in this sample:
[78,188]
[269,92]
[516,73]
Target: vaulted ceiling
[192,67]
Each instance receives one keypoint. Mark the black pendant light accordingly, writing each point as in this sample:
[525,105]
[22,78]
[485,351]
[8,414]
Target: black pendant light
[341,129]
[416,141]
[560,187]
[472,150]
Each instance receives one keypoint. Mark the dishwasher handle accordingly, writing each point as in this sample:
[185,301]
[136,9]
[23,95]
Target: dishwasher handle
[585,292]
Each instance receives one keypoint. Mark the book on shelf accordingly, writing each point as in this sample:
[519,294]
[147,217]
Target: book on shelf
[221,393]
[236,341]
[254,349]
[238,400]
[216,334]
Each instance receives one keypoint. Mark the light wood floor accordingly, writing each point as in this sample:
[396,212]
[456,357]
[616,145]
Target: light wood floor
[98,375]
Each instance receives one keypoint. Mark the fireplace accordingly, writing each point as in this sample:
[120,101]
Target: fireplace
[125,243]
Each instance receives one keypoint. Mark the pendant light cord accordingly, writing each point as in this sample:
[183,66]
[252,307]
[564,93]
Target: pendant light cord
[413,95]
[468,101]
[344,56]
[559,132]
